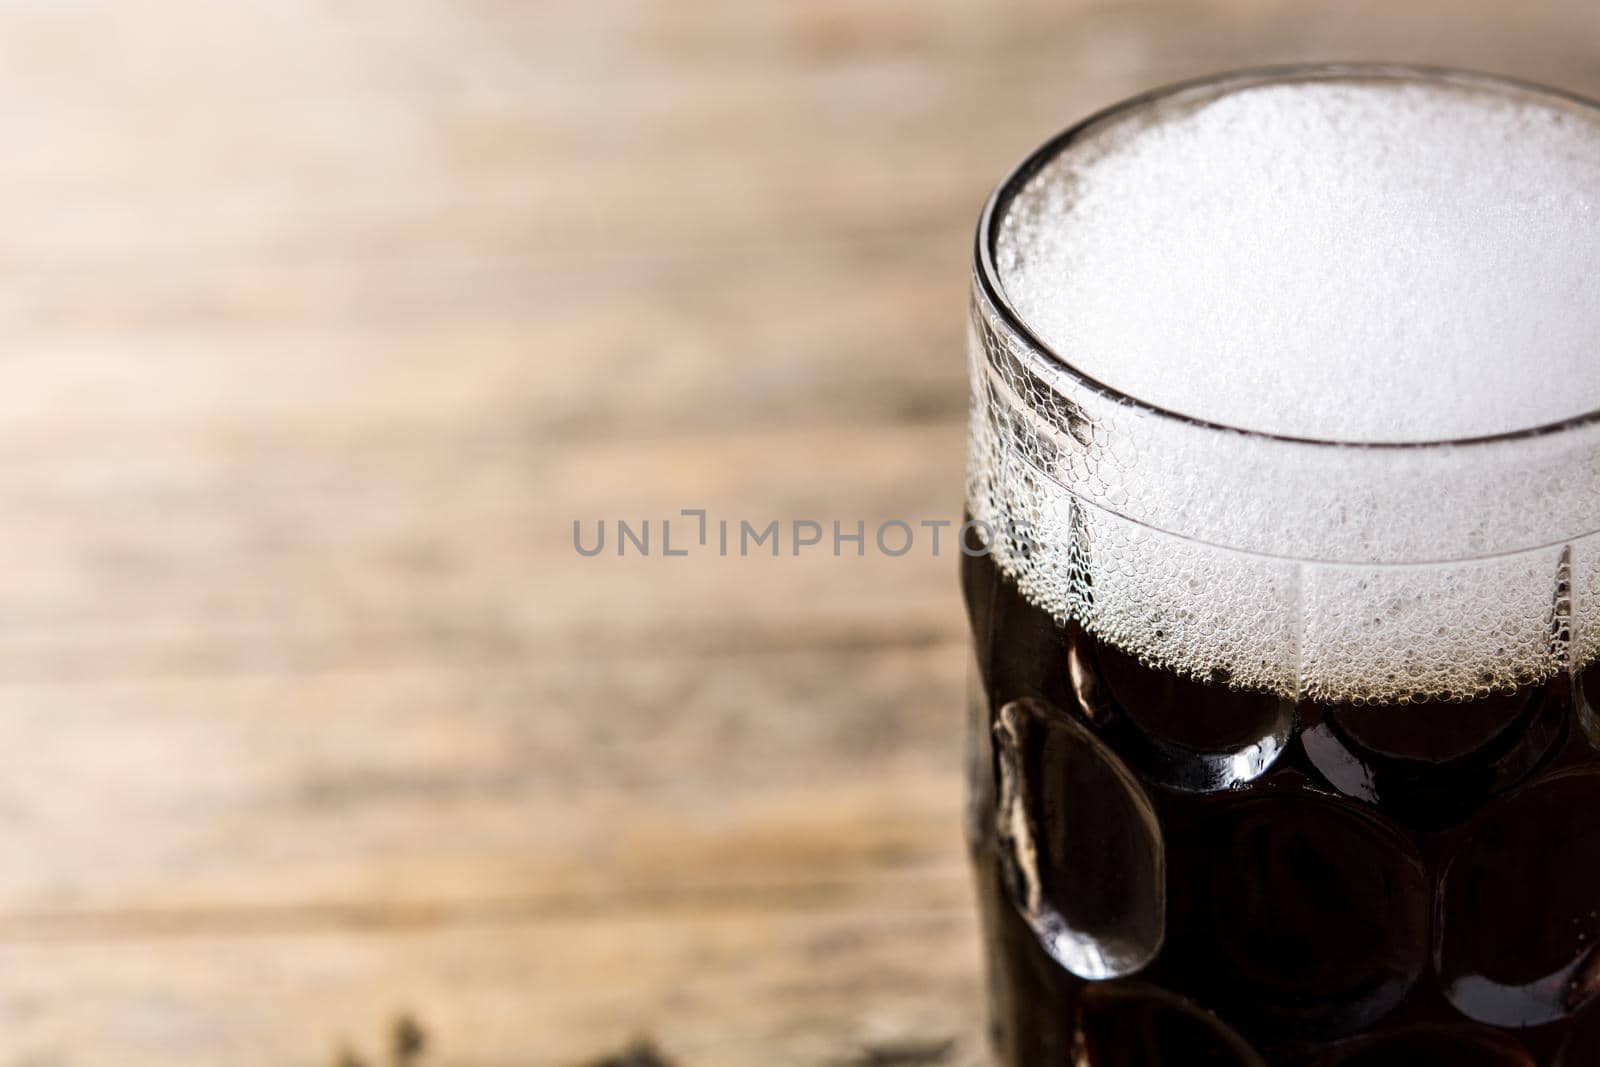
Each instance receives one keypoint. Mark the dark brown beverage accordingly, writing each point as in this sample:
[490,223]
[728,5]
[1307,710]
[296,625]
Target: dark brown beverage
[1239,879]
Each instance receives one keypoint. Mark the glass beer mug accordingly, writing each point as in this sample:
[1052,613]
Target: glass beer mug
[1283,578]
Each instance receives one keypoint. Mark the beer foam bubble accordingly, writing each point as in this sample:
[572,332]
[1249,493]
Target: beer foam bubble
[1347,260]
[1364,259]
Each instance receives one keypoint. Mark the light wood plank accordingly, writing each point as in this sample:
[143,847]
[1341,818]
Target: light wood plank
[775,985]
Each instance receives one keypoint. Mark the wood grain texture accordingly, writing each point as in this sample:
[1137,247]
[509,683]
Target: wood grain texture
[322,322]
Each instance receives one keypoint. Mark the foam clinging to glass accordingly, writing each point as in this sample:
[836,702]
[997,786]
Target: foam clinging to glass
[1357,259]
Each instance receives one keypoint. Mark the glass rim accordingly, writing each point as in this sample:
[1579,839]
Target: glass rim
[990,285]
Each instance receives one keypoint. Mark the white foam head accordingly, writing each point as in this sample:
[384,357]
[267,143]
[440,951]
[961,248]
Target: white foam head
[1351,257]
[1363,261]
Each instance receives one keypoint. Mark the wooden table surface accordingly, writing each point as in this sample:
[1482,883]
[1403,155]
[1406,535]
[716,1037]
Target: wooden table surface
[320,324]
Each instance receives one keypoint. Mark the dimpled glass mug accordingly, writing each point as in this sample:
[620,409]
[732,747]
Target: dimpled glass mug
[1283,578]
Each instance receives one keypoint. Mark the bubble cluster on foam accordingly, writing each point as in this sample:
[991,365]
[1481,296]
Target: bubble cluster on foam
[1354,259]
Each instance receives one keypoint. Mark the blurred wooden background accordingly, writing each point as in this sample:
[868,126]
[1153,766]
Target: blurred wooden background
[319,325]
